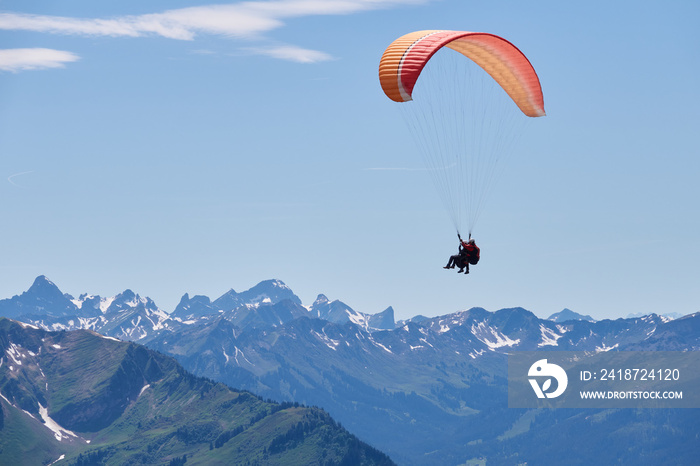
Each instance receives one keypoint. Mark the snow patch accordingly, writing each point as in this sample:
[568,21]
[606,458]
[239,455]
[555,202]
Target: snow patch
[110,338]
[25,325]
[380,345]
[235,356]
[144,388]
[59,432]
[14,353]
[8,401]
[331,343]
[105,303]
[56,327]
[495,338]
[549,337]
[605,348]
[357,319]
[59,459]
[501,340]
[161,317]
[258,300]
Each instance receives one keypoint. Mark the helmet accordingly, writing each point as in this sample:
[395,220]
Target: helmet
[471,241]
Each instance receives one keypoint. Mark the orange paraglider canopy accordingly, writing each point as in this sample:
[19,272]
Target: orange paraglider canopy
[403,61]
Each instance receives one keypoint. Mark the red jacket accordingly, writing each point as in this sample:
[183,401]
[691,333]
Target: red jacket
[472,251]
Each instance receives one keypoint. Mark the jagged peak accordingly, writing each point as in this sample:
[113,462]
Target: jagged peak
[186,298]
[511,310]
[42,285]
[42,279]
[127,294]
[273,282]
[567,314]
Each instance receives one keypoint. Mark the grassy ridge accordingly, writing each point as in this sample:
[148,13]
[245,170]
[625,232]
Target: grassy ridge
[25,441]
[130,405]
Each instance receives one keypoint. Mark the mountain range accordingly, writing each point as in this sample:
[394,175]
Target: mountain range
[128,316]
[425,390]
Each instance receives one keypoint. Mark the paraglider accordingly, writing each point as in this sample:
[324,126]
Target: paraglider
[463,132]
[469,253]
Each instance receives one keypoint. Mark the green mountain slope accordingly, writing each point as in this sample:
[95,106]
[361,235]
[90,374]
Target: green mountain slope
[88,399]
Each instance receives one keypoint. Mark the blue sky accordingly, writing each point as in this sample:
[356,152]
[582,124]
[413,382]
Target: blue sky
[187,146]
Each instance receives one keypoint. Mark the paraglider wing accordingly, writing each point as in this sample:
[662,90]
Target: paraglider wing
[463,123]
[403,61]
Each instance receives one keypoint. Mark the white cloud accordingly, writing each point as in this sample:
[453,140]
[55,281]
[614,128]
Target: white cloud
[203,52]
[242,20]
[292,53]
[63,25]
[34,59]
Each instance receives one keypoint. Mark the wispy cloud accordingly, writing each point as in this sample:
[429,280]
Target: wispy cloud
[292,53]
[246,20]
[12,177]
[203,52]
[34,59]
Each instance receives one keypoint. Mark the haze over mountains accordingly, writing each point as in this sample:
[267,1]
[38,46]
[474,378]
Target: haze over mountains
[425,391]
